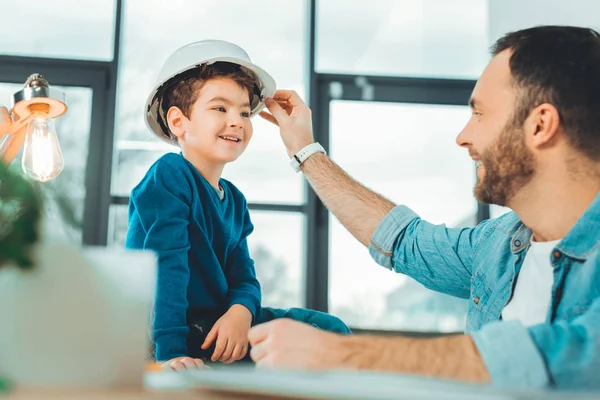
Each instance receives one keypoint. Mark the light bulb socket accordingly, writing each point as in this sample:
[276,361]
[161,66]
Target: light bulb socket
[37,93]
[41,108]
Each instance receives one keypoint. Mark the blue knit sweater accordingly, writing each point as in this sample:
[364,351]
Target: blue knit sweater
[201,245]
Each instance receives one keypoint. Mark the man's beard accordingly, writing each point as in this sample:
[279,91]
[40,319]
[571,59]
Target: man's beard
[509,165]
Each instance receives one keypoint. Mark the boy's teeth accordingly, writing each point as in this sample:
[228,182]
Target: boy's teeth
[230,138]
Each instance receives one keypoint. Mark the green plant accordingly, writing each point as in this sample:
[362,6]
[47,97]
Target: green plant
[20,213]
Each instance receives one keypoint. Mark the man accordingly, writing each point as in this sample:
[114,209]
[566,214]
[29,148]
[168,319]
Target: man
[532,277]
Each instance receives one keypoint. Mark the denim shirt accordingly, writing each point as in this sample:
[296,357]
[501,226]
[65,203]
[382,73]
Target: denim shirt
[481,264]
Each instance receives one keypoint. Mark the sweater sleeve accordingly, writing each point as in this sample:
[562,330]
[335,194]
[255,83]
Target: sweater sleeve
[159,215]
[244,288]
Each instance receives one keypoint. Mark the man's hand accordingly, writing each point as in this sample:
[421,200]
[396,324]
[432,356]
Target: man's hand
[291,344]
[183,363]
[231,334]
[17,128]
[293,118]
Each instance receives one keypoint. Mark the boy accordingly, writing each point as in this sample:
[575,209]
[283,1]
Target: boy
[208,296]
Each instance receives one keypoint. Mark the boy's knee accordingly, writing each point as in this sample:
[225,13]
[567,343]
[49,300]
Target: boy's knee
[317,319]
[339,326]
[329,323]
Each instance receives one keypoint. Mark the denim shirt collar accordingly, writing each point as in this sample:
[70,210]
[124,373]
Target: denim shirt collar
[581,240]
[584,237]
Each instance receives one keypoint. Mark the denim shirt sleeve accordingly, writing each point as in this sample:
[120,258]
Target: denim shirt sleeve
[564,354]
[440,258]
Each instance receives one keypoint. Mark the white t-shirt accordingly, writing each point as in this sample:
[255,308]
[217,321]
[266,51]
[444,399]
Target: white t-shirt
[530,303]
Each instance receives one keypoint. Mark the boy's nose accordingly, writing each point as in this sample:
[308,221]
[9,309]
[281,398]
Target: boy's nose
[236,123]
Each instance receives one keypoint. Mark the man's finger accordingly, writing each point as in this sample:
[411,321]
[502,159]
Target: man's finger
[276,110]
[285,105]
[268,117]
[219,348]
[258,352]
[259,333]
[210,338]
[290,96]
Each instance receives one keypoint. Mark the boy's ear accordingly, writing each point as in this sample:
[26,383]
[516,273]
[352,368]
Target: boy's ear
[175,119]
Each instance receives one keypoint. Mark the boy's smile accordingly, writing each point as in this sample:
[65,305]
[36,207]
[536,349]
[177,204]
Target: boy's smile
[230,138]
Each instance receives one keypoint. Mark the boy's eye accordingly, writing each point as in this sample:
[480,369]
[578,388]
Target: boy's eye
[246,114]
[221,109]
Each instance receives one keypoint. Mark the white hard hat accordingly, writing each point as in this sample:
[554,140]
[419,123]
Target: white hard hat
[194,55]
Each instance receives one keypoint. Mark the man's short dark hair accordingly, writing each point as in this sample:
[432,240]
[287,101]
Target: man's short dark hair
[559,65]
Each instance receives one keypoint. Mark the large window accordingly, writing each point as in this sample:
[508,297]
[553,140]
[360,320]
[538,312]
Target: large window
[72,29]
[433,38]
[407,152]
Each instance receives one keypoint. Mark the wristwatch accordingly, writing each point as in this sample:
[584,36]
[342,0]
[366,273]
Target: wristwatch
[301,156]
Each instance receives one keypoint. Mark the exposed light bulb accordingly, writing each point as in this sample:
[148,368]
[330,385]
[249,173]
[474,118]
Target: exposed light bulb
[42,158]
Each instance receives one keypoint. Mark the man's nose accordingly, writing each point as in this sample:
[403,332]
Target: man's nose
[464,137]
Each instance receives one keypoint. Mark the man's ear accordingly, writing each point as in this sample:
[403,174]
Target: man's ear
[543,126]
[176,119]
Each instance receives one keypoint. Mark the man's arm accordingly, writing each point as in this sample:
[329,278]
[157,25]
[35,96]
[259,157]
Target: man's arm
[359,209]
[290,344]
[451,357]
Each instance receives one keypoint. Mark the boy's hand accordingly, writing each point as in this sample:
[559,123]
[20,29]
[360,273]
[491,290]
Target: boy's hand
[183,363]
[231,334]
[293,117]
